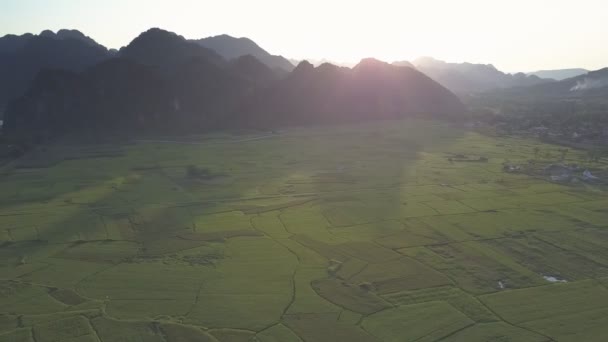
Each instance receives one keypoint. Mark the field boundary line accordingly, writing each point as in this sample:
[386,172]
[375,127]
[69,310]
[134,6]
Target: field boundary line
[293,275]
[549,338]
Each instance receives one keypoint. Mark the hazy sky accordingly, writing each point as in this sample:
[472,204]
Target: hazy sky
[514,35]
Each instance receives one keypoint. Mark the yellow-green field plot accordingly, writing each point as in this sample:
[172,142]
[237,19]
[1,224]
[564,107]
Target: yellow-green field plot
[385,231]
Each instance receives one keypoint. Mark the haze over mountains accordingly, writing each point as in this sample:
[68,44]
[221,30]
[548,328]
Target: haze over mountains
[469,78]
[466,78]
[64,82]
[588,86]
[231,48]
[560,74]
[573,109]
[370,90]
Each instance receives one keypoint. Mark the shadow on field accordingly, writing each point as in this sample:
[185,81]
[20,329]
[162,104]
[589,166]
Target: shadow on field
[342,191]
[368,180]
[373,176]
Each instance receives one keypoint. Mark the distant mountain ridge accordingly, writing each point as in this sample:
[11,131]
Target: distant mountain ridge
[592,85]
[232,48]
[467,78]
[559,74]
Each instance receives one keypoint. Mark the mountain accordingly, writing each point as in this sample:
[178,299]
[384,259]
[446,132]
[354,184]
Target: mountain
[232,48]
[369,91]
[467,78]
[166,49]
[404,63]
[589,86]
[22,57]
[559,74]
[123,96]
[161,83]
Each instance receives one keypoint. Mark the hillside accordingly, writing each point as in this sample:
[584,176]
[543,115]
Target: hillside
[371,90]
[22,57]
[231,48]
[122,96]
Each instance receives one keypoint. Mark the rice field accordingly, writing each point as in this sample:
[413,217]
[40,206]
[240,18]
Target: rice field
[362,232]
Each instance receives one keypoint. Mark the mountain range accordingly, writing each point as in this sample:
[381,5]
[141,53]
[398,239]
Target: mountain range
[164,83]
[372,89]
[559,74]
[592,85]
[467,78]
[22,57]
[61,83]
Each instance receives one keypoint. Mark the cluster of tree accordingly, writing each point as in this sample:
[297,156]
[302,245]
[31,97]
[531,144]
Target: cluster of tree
[164,83]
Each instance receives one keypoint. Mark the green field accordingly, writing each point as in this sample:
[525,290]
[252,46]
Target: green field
[362,232]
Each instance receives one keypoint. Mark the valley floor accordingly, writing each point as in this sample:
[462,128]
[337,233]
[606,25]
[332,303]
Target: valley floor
[387,231]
